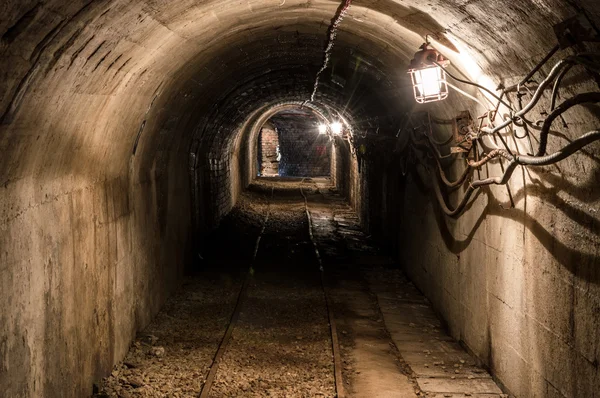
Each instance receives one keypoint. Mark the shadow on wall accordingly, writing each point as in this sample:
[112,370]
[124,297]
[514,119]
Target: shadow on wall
[580,263]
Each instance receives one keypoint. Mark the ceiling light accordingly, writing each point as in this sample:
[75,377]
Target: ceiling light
[428,75]
[322,128]
[336,128]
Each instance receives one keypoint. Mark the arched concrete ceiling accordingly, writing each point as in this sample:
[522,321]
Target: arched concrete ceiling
[91,70]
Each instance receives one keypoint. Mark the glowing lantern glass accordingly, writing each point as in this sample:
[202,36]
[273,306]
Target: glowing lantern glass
[428,78]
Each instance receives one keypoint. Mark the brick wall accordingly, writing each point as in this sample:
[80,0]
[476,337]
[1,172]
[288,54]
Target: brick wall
[268,150]
[304,152]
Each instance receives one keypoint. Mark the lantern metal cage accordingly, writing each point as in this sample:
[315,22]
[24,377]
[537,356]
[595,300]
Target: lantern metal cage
[428,75]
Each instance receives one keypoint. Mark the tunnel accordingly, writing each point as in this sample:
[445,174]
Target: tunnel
[248,198]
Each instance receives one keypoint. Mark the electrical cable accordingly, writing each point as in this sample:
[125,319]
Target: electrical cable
[526,160]
[332,33]
[437,151]
[440,121]
[557,84]
[558,72]
[476,85]
[430,135]
[561,154]
[523,160]
[450,184]
[498,104]
[489,156]
[534,70]
[536,96]
[439,143]
[562,108]
[460,207]
[466,94]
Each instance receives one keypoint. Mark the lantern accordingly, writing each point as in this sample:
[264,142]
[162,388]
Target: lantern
[428,75]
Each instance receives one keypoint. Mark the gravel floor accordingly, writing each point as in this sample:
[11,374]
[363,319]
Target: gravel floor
[281,346]
[171,357]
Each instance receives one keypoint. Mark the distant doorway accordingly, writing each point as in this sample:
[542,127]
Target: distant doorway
[268,151]
[289,145]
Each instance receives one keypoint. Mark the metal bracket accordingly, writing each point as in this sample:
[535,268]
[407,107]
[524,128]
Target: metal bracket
[462,125]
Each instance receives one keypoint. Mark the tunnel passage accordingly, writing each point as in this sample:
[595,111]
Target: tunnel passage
[291,145]
[128,131]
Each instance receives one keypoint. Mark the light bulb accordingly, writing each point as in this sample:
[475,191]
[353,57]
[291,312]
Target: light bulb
[322,128]
[428,81]
[336,128]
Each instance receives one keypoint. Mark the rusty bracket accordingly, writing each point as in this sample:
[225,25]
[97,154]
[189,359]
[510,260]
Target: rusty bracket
[462,125]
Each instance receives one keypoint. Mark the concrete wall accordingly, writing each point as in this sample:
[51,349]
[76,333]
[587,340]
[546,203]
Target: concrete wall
[518,286]
[345,174]
[93,240]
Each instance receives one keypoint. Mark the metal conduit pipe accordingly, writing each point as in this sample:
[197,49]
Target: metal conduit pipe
[562,108]
[536,96]
[519,160]
[561,154]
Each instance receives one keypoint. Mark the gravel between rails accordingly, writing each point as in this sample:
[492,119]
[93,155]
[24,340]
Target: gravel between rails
[281,346]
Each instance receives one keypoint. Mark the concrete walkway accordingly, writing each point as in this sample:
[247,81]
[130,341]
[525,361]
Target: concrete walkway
[428,362]
[441,366]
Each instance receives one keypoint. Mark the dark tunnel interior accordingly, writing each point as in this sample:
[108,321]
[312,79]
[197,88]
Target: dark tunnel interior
[299,198]
[294,143]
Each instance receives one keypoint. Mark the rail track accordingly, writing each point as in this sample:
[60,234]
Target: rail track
[241,299]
